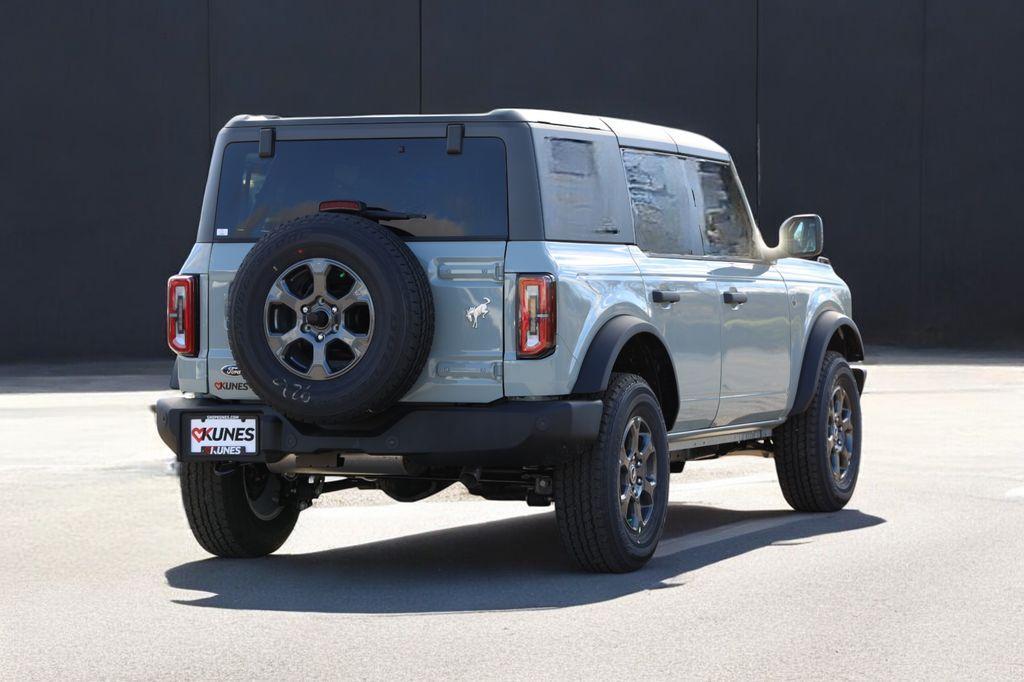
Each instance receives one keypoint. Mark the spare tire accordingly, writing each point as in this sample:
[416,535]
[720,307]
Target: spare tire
[330,318]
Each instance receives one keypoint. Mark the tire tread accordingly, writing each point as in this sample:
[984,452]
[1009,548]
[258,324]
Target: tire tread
[220,529]
[583,521]
[411,355]
[798,441]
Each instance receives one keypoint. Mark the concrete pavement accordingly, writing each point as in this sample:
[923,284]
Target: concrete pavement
[921,577]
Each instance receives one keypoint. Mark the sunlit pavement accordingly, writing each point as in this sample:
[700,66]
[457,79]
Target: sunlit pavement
[922,576]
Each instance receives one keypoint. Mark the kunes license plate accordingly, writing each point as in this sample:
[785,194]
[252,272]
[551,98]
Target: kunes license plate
[223,435]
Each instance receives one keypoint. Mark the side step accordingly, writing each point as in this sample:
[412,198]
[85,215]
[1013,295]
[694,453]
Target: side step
[688,440]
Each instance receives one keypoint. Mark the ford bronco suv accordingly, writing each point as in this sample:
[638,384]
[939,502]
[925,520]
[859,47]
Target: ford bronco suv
[543,306]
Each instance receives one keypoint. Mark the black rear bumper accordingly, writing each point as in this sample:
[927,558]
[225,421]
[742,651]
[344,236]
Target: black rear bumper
[506,433]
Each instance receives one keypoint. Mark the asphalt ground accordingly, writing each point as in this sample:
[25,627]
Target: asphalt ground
[921,577]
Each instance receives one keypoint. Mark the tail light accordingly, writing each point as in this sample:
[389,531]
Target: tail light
[182,330]
[536,315]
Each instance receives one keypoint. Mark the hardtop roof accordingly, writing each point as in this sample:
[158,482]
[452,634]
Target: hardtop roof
[630,133]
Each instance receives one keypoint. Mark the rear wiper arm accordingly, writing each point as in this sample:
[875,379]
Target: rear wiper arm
[360,208]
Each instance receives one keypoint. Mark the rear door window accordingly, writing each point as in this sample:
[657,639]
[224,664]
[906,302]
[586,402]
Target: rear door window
[664,212]
[463,196]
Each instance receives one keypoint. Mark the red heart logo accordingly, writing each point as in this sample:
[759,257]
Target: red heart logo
[198,434]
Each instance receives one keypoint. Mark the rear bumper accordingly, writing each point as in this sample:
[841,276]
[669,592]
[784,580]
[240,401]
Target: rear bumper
[506,433]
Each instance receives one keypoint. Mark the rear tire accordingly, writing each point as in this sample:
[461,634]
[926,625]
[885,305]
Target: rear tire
[817,461]
[602,528]
[235,514]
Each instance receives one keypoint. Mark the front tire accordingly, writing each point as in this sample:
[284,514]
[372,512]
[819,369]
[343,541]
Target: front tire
[611,499]
[236,512]
[817,453]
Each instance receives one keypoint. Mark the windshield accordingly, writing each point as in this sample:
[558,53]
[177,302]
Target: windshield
[463,196]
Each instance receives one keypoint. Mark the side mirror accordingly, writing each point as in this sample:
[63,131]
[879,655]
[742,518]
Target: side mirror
[801,236]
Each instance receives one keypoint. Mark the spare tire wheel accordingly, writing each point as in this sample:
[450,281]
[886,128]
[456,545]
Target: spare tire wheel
[330,318]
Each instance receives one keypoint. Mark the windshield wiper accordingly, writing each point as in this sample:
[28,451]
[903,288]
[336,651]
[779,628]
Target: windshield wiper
[360,208]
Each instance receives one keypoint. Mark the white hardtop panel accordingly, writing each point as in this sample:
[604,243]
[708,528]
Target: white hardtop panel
[660,138]
[697,145]
[496,116]
[641,135]
[630,133]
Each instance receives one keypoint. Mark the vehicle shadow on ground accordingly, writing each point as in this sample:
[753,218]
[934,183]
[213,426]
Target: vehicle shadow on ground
[501,565]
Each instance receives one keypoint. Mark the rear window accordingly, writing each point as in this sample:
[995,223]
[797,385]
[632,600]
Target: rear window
[463,196]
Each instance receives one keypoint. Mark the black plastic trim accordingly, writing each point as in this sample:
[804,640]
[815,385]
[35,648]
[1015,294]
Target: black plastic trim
[860,375]
[604,350]
[814,352]
[453,145]
[266,142]
[505,433]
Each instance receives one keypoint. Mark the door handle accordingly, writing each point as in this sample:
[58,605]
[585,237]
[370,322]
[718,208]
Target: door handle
[734,298]
[664,296]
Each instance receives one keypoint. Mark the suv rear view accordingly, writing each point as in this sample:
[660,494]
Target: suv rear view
[540,306]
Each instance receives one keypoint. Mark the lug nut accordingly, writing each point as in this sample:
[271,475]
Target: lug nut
[305,308]
[334,308]
[319,337]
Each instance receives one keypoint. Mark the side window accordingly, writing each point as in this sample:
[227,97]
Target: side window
[663,205]
[580,178]
[725,222]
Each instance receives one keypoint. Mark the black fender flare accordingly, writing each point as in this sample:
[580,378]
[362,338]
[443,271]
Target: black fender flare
[824,327]
[596,369]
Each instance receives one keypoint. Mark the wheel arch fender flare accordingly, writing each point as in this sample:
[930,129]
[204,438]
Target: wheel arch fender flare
[834,330]
[605,349]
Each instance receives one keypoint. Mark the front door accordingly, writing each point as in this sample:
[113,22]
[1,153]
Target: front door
[753,300]
[755,342]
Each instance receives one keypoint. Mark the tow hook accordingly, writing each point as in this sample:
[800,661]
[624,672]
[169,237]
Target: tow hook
[540,496]
[225,468]
[302,490]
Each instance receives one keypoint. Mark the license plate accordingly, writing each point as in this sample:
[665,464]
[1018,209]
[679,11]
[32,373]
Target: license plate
[223,435]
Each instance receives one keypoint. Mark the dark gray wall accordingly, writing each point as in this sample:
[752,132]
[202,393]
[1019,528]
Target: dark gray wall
[898,122]
[690,65]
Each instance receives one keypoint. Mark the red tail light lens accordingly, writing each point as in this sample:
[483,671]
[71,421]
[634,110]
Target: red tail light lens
[536,315]
[182,330]
[342,205]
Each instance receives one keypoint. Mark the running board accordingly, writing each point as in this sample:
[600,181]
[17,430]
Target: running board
[686,440]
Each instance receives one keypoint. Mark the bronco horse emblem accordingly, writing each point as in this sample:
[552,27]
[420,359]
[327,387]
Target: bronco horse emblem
[474,314]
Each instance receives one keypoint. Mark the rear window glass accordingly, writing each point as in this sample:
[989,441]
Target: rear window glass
[463,196]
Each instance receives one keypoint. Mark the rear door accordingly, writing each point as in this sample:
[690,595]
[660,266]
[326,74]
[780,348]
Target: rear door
[668,253]
[460,242]
[752,298]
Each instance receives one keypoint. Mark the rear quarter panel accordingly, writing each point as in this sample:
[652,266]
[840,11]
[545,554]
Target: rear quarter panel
[594,282]
[192,375]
